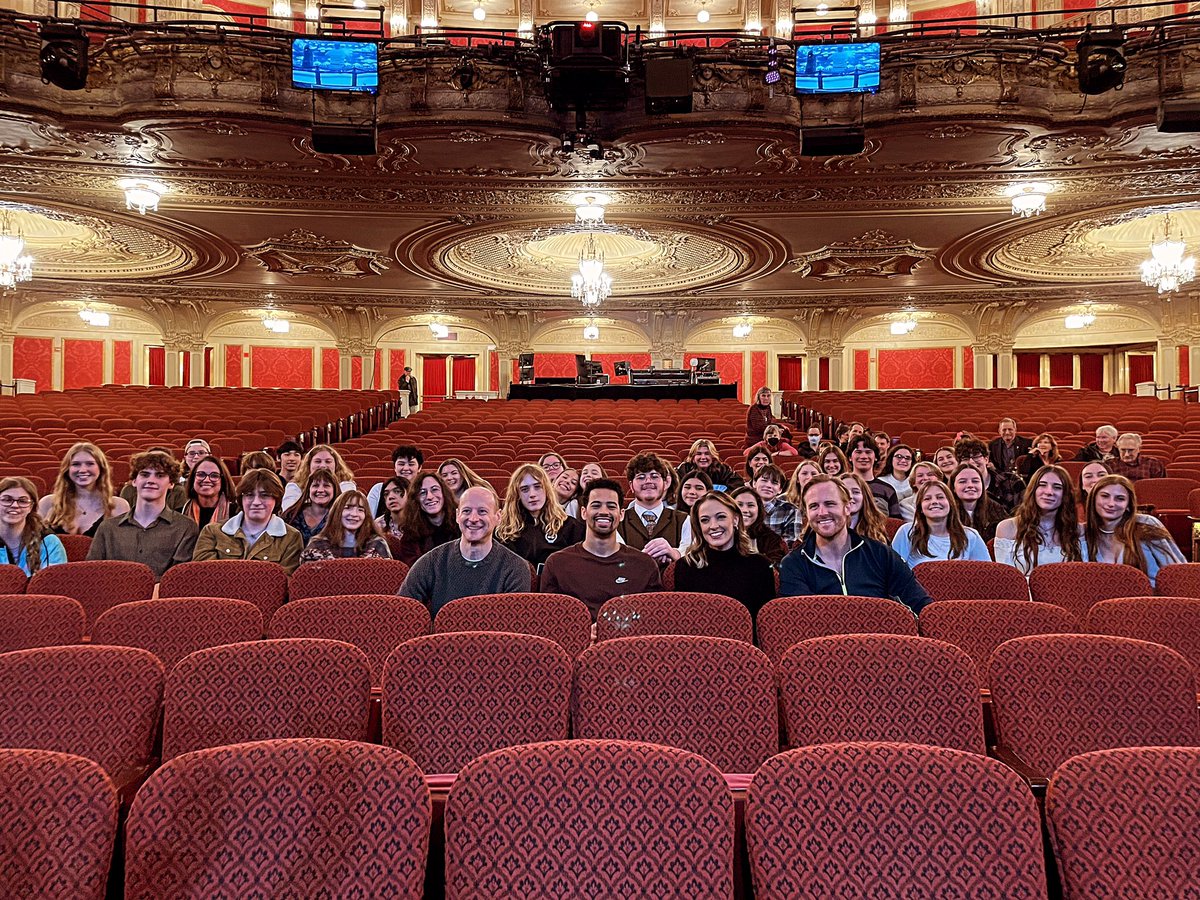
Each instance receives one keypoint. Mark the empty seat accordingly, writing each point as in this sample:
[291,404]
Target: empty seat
[334,577]
[302,818]
[101,703]
[1078,585]
[969,579]
[39,620]
[60,821]
[674,612]
[96,584]
[1178,580]
[1171,621]
[589,819]
[892,820]
[980,626]
[1123,823]
[872,687]
[558,617]
[787,621]
[254,580]
[1055,696]
[374,623]
[175,627]
[264,690]
[12,579]
[448,698]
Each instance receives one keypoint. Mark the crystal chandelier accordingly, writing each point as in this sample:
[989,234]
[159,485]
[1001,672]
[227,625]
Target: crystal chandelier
[589,208]
[15,265]
[742,330]
[1084,319]
[591,284]
[1029,198]
[95,318]
[591,331]
[1167,269]
[142,194]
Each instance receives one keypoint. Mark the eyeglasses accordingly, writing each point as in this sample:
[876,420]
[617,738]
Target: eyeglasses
[18,502]
[902,457]
[208,476]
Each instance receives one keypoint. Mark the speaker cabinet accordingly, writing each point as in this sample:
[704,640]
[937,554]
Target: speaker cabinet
[832,140]
[668,85]
[344,140]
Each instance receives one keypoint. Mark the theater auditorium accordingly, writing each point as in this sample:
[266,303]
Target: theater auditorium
[599,449]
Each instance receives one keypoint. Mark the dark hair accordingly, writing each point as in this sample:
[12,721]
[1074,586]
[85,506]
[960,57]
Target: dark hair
[293,512]
[403,484]
[222,476]
[257,459]
[646,462]
[965,448]
[157,460]
[602,484]
[757,529]
[261,480]
[772,472]
[889,467]
[288,447]
[414,521]
[864,441]
[698,474]
[406,451]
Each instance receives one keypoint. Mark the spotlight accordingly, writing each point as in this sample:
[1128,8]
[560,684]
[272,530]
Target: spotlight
[568,144]
[64,56]
[1101,61]
[594,149]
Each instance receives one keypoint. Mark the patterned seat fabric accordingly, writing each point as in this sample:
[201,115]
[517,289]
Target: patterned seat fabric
[969,579]
[265,690]
[1171,621]
[1178,580]
[1078,586]
[374,623]
[175,627]
[674,612]
[12,579]
[39,620]
[873,687]
[76,546]
[97,584]
[60,821]
[787,621]
[101,703]
[1123,823]
[711,696]
[892,820]
[338,577]
[1058,695]
[980,626]
[448,698]
[558,617]
[256,581]
[589,819]
[302,818]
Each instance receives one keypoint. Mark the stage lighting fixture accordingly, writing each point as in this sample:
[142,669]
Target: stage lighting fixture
[595,151]
[64,56]
[568,144]
[1101,61]
[773,76]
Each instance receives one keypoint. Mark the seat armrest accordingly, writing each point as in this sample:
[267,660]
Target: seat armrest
[1036,780]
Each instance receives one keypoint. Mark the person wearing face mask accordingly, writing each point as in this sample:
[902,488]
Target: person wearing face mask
[533,523]
[1114,532]
[776,441]
[937,531]
[812,442]
[976,508]
[349,533]
[256,532]
[759,416]
[721,558]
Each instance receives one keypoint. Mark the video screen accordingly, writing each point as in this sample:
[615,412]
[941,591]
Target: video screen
[837,68]
[324,65]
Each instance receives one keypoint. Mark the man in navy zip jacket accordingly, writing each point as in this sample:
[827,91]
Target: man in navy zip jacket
[836,560]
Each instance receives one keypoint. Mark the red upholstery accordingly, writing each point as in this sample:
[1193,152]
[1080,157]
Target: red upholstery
[892,820]
[448,698]
[1055,696]
[589,819]
[254,580]
[12,579]
[175,627]
[1078,585]
[101,703]
[969,579]
[1171,621]
[980,626]
[1178,580]
[558,617]
[712,696]
[299,818]
[374,623]
[265,690]
[1123,823]
[97,584]
[339,577]
[786,621]
[866,687]
[39,620]
[674,612]
[60,821]
[76,546]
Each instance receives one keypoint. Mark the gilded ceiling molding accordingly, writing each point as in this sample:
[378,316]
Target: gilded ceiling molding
[302,252]
[874,254]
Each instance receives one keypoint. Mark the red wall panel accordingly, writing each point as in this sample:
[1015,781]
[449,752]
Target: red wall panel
[1091,371]
[330,368]
[233,365]
[1062,369]
[1185,365]
[968,367]
[729,367]
[924,367]
[356,372]
[281,367]
[396,366]
[608,360]
[83,363]
[758,369]
[34,358]
[554,365]
[862,370]
[493,370]
[122,362]
[375,378]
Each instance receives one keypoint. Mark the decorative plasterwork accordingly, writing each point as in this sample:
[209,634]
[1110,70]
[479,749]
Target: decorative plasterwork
[304,253]
[875,254]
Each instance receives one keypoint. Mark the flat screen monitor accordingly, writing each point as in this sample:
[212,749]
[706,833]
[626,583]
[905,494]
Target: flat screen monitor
[621,368]
[525,360]
[837,68]
[704,363]
[324,65]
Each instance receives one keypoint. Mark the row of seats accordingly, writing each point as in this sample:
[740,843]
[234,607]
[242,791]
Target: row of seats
[604,818]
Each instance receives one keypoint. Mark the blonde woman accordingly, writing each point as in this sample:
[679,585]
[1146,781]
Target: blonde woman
[865,518]
[458,475]
[720,559]
[322,457]
[82,496]
[703,456]
[801,475]
[533,524]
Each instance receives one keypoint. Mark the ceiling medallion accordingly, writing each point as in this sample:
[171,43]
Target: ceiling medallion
[875,254]
[301,252]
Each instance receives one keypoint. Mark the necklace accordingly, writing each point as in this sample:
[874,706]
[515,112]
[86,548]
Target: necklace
[1102,531]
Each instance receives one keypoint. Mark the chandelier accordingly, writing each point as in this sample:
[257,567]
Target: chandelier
[142,194]
[15,265]
[591,284]
[589,208]
[1084,319]
[1029,198]
[591,331]
[742,330]
[1167,268]
[95,318]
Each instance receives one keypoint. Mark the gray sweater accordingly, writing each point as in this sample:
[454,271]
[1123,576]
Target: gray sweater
[442,575]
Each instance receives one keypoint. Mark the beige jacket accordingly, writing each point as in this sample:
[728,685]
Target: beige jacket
[280,543]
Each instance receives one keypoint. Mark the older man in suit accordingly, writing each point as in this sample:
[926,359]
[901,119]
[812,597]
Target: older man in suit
[1006,449]
[649,524]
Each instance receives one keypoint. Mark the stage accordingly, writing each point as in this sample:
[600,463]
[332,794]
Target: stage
[623,392]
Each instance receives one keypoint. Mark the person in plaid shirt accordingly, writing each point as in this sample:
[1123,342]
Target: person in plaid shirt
[1006,488]
[779,515]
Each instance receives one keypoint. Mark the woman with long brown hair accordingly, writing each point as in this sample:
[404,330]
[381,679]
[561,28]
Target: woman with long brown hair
[1115,532]
[459,476]
[1043,452]
[762,539]
[1045,528]
[533,524]
[82,496]
[429,517]
[865,517]
[720,558]
[978,510]
[937,530]
[310,512]
[24,539]
[349,532]
[210,492]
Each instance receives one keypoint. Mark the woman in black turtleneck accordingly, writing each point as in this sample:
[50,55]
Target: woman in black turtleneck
[719,560]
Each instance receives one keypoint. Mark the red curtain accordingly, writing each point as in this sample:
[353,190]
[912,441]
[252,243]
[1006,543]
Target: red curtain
[464,373]
[790,372]
[1185,365]
[1091,371]
[433,378]
[823,373]
[1029,369]
[187,369]
[157,359]
[1062,369]
[1141,368]
[208,353]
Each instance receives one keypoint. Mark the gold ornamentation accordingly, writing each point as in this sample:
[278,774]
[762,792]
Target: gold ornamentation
[875,254]
[302,252]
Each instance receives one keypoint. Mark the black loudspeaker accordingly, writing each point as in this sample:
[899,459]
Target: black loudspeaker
[1179,116]
[344,140]
[64,56]
[832,140]
[668,85]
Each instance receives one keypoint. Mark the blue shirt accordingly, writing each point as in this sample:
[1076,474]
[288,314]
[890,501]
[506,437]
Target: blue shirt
[939,547]
[53,554]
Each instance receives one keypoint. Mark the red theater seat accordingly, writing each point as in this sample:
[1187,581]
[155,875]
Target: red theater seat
[968,579]
[39,620]
[97,585]
[175,627]
[980,626]
[558,617]
[254,580]
[787,621]
[674,612]
[339,577]
[1077,586]
[1171,621]
[1178,580]
[12,579]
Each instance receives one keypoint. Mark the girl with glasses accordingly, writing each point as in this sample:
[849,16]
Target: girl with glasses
[210,492]
[24,539]
[897,468]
